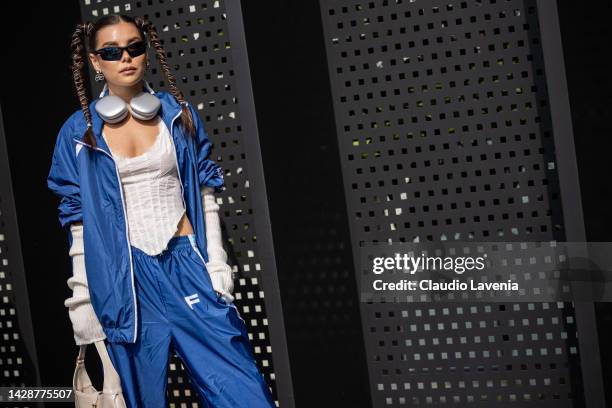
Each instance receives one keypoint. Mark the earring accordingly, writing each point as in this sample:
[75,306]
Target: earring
[99,76]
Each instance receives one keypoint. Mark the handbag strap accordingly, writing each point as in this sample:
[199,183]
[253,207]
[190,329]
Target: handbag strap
[80,379]
[81,356]
[112,382]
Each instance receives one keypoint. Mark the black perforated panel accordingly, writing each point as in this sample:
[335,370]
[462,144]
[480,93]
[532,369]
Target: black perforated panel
[206,51]
[444,130]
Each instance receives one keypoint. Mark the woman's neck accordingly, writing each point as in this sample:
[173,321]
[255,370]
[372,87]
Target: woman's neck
[125,92]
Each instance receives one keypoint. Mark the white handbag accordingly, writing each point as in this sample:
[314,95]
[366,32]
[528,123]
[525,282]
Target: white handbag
[85,395]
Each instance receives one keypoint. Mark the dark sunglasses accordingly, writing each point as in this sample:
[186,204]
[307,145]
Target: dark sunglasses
[114,53]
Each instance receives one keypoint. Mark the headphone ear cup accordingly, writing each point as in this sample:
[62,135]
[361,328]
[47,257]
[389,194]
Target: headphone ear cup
[145,106]
[111,108]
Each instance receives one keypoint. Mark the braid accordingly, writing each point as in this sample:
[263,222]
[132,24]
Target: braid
[78,51]
[148,28]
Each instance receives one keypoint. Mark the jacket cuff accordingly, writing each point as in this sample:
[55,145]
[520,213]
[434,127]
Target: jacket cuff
[221,276]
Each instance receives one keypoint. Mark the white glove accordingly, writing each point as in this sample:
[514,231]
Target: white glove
[218,269]
[85,323]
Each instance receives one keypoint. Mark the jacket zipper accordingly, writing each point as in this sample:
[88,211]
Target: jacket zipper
[176,159]
[126,235]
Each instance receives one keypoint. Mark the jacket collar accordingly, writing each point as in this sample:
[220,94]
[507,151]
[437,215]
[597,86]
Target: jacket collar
[168,111]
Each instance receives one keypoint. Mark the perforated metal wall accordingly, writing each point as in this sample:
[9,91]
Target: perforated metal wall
[445,133]
[205,46]
[18,359]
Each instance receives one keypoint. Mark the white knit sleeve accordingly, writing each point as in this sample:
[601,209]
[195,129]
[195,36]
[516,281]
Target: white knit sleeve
[218,269]
[85,323]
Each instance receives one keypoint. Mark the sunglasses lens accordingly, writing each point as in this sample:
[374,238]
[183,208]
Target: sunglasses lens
[110,53]
[137,48]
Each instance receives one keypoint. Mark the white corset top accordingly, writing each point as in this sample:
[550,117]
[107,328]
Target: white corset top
[152,192]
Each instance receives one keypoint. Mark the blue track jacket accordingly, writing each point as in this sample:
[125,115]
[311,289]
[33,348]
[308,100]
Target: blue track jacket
[87,181]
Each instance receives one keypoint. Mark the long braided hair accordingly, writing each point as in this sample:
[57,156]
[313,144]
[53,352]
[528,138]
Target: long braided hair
[85,33]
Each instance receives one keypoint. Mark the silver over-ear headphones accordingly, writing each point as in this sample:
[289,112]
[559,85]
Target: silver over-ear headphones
[113,109]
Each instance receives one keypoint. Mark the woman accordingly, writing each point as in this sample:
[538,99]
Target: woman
[137,203]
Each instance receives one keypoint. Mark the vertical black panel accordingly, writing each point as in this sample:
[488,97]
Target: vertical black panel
[445,133]
[587,35]
[205,46]
[569,186]
[18,359]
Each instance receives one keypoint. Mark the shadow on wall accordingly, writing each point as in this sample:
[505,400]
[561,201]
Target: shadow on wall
[306,198]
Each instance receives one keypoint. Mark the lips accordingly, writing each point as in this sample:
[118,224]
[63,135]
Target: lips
[129,69]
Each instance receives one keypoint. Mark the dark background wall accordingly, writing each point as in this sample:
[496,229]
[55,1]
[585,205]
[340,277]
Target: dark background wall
[299,148]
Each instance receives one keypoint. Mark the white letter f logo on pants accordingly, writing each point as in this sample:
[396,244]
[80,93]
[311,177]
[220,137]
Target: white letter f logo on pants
[192,299]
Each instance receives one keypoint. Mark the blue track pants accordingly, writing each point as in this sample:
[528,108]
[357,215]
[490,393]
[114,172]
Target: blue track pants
[178,309]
